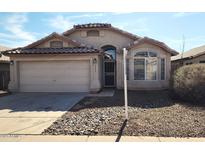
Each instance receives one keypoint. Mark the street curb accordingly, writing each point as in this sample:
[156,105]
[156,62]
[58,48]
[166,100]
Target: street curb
[64,138]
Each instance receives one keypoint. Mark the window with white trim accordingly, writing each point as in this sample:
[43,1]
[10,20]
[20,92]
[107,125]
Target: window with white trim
[145,66]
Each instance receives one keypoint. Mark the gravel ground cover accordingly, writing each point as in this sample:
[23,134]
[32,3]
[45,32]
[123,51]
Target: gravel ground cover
[151,113]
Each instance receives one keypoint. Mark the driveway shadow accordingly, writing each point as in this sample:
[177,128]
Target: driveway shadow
[141,99]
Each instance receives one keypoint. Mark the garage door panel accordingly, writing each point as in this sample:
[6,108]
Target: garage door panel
[62,76]
[50,88]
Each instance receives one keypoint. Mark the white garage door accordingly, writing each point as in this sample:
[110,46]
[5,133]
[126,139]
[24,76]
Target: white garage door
[56,76]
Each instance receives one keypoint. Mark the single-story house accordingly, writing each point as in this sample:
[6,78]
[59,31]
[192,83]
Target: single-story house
[87,58]
[4,68]
[192,56]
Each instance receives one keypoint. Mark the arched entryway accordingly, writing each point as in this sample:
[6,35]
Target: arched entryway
[109,66]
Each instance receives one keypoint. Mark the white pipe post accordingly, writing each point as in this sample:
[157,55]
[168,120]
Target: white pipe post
[125,83]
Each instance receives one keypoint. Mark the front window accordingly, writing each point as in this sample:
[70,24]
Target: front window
[145,66]
[139,69]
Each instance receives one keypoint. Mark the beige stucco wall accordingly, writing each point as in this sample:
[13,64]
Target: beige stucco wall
[95,82]
[47,43]
[107,37]
[141,84]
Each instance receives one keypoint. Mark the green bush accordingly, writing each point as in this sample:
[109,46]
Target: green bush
[189,83]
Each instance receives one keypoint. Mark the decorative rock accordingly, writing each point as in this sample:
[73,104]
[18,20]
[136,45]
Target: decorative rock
[144,119]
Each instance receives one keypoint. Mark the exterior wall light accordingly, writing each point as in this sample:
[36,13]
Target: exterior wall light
[11,62]
[94,61]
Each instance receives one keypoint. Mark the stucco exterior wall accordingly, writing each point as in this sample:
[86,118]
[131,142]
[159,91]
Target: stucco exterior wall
[47,43]
[100,68]
[107,37]
[95,82]
[145,84]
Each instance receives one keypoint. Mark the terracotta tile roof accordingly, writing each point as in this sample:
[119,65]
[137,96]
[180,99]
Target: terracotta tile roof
[102,26]
[93,25]
[195,52]
[65,50]
[53,35]
[155,42]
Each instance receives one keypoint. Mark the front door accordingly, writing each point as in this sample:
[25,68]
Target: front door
[109,66]
[109,73]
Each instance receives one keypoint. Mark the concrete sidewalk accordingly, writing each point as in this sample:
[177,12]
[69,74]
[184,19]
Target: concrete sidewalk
[46,138]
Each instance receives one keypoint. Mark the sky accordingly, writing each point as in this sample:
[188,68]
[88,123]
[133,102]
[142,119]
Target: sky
[20,29]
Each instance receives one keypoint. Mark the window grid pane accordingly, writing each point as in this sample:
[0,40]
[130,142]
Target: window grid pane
[141,54]
[145,54]
[139,69]
[152,54]
[151,68]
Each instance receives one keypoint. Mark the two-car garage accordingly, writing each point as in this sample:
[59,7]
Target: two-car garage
[54,76]
[67,69]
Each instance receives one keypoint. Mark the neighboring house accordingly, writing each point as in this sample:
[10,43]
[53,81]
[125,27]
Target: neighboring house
[88,58]
[193,56]
[4,69]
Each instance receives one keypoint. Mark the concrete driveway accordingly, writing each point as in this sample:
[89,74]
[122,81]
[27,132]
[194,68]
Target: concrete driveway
[31,113]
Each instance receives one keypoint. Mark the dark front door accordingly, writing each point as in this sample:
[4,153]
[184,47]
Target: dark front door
[109,73]
[109,66]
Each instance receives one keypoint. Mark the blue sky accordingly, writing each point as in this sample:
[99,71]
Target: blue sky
[19,29]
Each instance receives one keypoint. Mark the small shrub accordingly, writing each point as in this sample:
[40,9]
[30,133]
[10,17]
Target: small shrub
[189,83]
